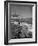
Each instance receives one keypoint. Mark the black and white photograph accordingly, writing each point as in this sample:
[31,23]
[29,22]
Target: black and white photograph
[20,22]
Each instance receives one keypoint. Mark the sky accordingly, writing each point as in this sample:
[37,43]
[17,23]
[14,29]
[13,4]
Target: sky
[22,11]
